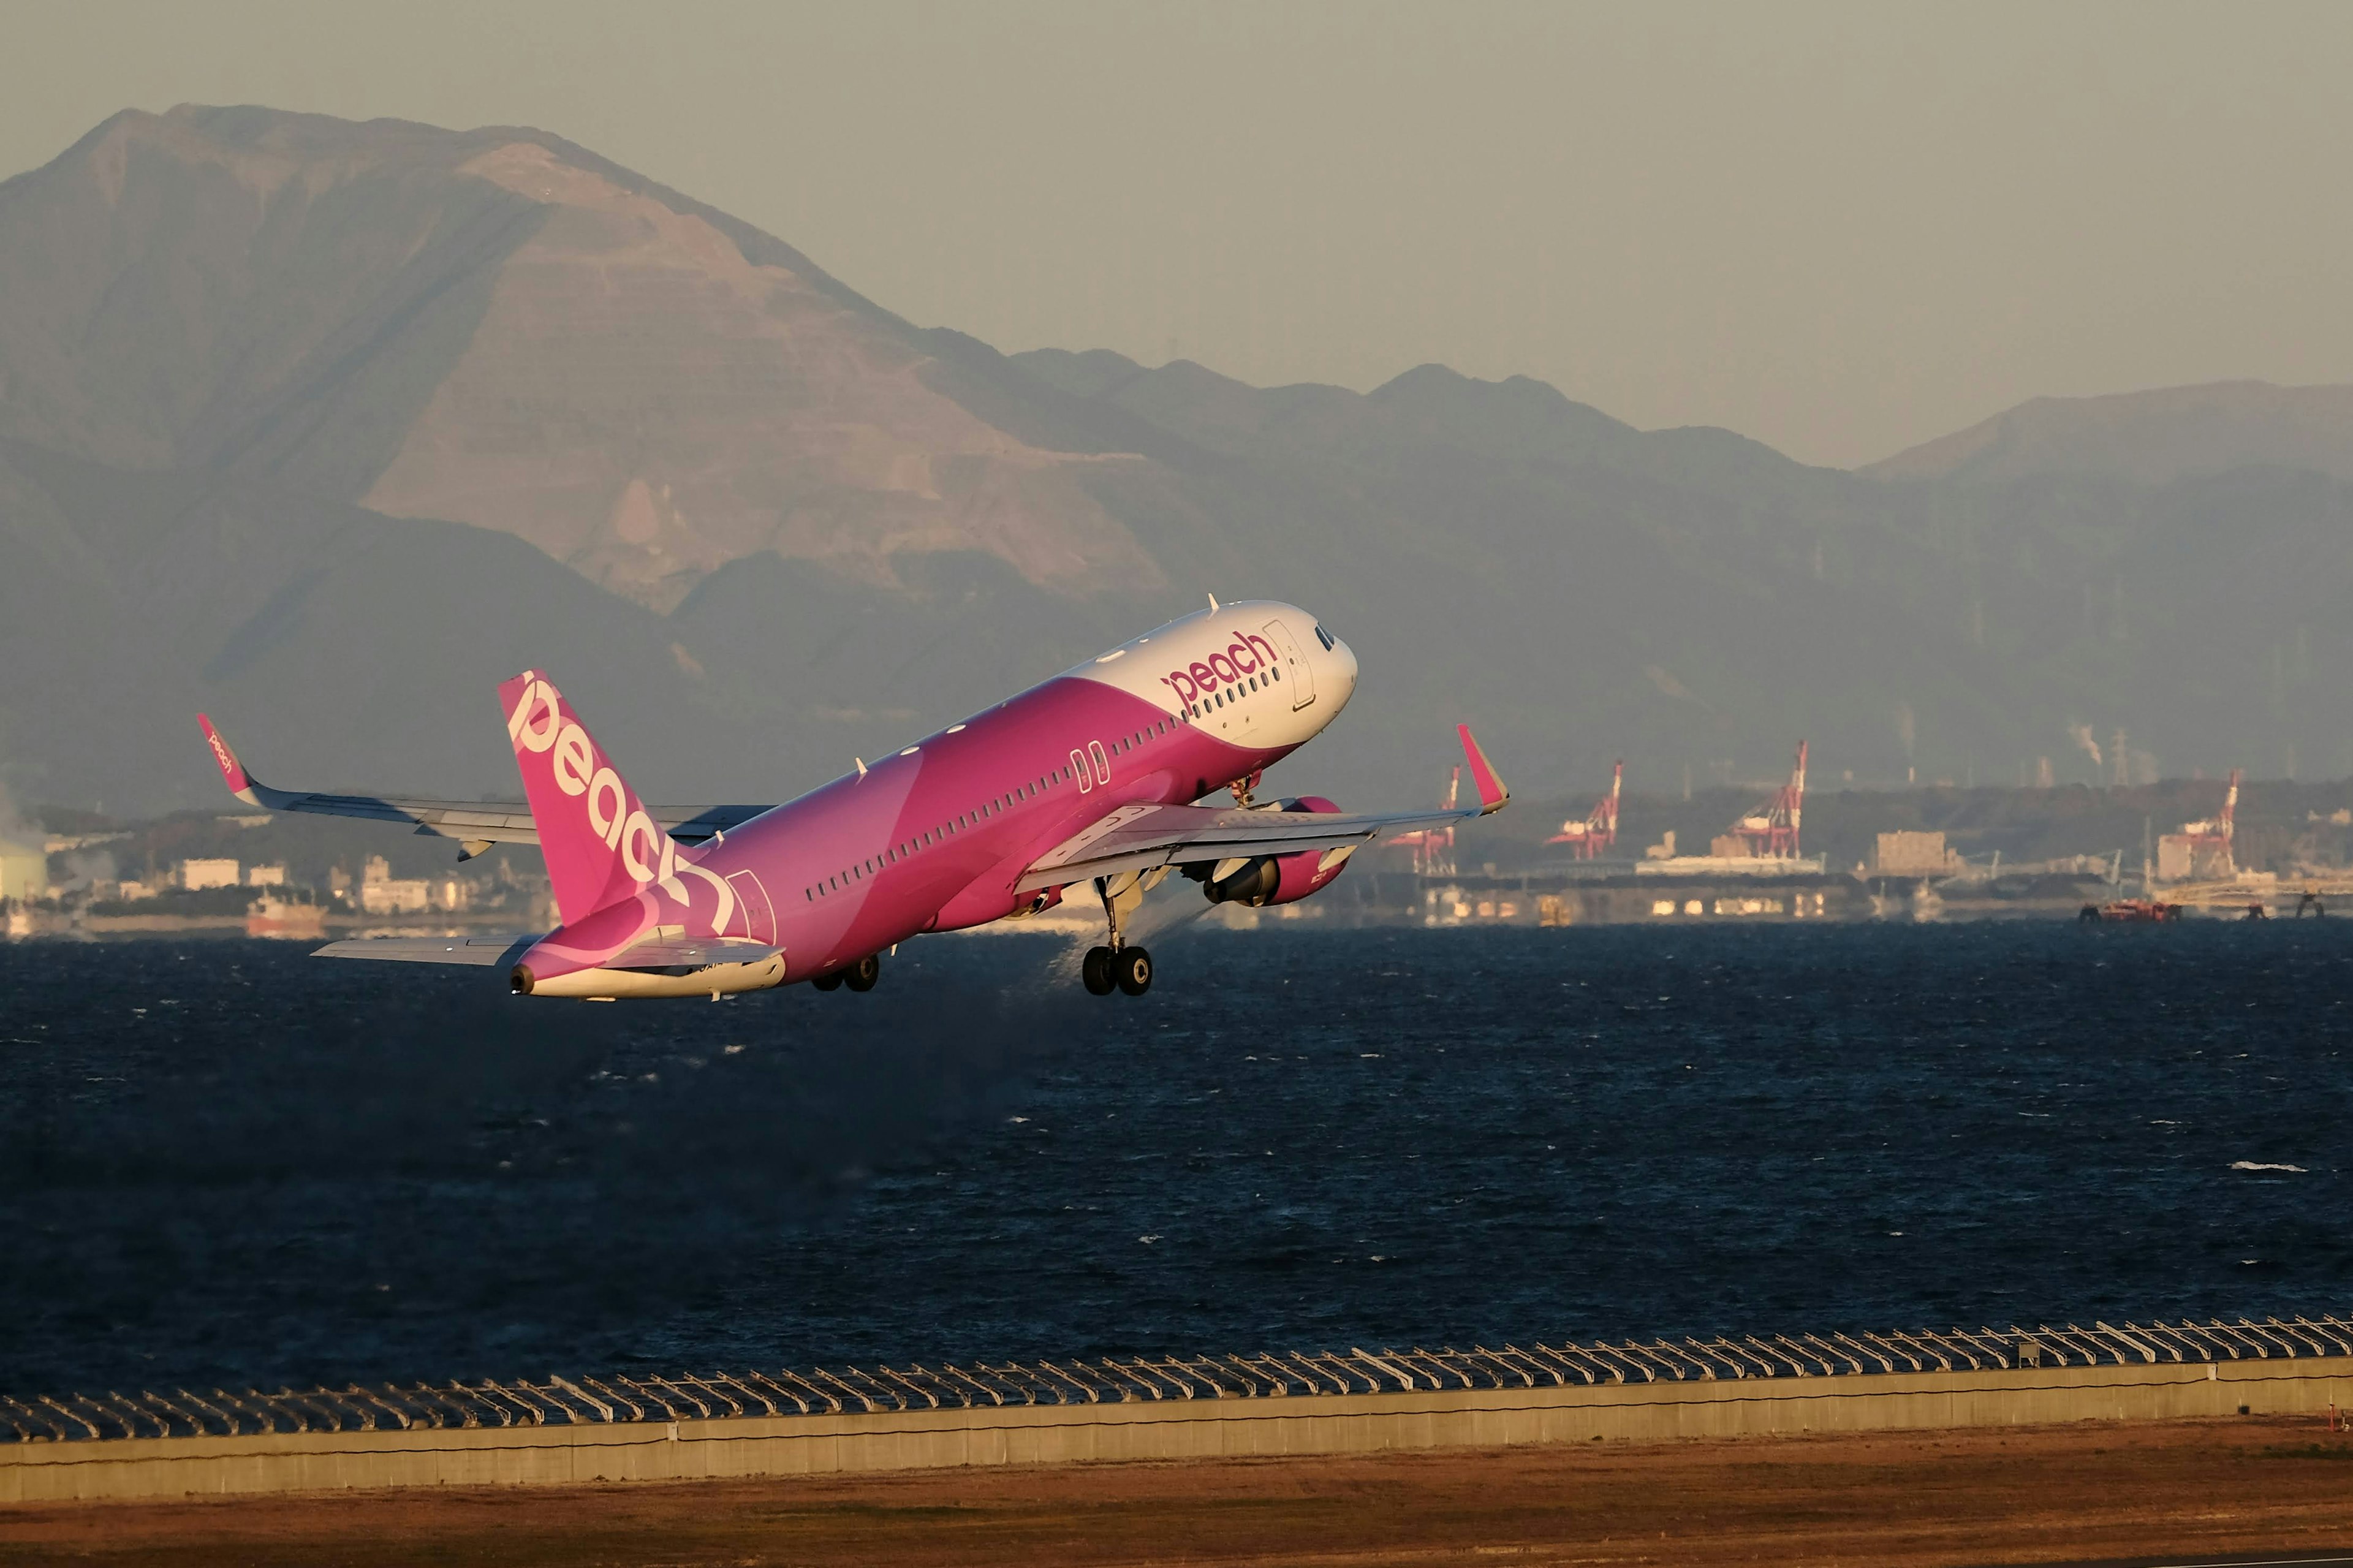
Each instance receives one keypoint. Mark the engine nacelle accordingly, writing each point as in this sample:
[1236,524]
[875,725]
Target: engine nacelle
[1264,879]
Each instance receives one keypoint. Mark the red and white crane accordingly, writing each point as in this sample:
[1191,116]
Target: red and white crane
[1596,830]
[1770,831]
[1433,847]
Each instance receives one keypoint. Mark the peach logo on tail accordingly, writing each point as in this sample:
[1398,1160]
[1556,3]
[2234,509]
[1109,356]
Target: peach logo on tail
[1246,655]
[224,756]
[539,725]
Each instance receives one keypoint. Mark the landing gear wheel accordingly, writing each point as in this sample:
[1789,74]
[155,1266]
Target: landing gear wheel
[829,980]
[1132,967]
[1094,970]
[862,974]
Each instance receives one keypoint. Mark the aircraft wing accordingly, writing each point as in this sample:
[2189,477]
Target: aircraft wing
[477,825]
[1141,835]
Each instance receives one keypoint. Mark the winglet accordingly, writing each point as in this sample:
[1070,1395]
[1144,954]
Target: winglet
[1493,795]
[240,783]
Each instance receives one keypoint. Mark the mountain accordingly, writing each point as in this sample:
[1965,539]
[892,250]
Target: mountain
[327,427]
[2147,437]
[497,328]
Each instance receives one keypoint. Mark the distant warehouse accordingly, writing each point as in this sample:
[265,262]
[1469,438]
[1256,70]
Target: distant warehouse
[23,870]
[1915,855]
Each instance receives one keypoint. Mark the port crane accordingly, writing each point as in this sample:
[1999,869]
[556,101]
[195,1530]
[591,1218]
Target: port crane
[1597,831]
[1770,832]
[1433,847]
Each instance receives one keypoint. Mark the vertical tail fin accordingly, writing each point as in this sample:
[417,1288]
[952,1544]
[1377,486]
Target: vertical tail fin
[602,845]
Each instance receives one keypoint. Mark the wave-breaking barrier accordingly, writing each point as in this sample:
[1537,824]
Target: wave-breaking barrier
[617,1401]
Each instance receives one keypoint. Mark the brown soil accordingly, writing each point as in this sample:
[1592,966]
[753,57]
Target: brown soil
[1892,1502]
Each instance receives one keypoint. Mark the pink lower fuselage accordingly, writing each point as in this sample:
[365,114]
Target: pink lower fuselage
[937,838]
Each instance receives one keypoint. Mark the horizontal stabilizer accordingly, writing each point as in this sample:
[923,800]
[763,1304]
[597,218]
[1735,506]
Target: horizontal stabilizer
[475,824]
[480,952]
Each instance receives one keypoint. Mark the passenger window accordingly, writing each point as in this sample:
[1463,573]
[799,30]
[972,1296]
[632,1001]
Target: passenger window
[1275,674]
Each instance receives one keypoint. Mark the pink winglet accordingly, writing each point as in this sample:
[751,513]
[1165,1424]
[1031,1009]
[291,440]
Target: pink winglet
[231,769]
[1493,795]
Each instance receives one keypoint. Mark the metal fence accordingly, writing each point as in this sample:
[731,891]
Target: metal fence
[588,1401]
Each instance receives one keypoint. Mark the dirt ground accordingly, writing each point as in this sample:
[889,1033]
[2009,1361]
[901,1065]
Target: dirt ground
[1909,1500]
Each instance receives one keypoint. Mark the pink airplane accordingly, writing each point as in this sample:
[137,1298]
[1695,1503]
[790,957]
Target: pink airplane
[1086,780]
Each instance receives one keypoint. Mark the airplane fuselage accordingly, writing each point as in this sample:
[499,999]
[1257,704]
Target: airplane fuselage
[937,837]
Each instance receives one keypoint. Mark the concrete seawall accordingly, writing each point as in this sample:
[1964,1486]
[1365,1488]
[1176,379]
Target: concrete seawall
[1136,1428]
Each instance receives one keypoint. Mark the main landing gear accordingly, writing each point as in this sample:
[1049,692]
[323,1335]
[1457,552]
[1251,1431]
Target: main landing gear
[1118,967]
[1107,969]
[858,976]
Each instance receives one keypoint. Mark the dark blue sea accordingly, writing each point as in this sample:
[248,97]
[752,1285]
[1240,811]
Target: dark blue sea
[226,1162]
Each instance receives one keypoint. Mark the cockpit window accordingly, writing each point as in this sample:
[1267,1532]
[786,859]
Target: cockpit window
[1324,637]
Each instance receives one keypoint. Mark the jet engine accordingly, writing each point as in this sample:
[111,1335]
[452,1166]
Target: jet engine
[1263,879]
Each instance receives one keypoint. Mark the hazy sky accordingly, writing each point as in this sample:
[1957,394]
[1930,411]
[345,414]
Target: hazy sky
[1839,229]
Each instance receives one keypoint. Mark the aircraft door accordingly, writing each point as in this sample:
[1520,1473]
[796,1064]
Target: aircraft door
[1302,675]
[753,913]
[1103,762]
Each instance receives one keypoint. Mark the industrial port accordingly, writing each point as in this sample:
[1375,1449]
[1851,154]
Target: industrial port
[2119,852]
[1879,858]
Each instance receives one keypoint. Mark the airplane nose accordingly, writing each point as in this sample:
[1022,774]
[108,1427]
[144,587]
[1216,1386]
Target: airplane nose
[1342,663]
